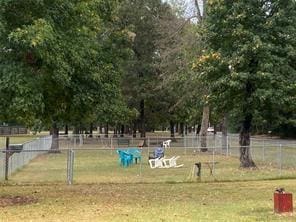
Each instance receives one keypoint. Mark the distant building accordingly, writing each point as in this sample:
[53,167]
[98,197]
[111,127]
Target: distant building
[13,130]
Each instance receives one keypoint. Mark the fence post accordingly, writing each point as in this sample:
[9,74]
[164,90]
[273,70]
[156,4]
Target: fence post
[75,141]
[80,140]
[148,141]
[185,144]
[6,158]
[227,145]
[141,163]
[70,164]
[280,160]
[251,148]
[263,150]
[213,163]
[111,145]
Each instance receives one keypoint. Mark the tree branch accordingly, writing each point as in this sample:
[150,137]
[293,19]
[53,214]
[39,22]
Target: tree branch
[198,12]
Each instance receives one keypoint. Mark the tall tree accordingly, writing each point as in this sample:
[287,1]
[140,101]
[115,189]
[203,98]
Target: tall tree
[201,10]
[141,17]
[255,43]
[56,50]
[179,43]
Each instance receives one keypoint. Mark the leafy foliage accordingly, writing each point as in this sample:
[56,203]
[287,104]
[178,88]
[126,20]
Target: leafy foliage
[256,42]
[60,61]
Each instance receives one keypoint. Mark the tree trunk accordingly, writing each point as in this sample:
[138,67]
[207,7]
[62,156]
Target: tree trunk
[244,142]
[91,130]
[107,130]
[122,131]
[66,129]
[181,129]
[197,129]
[76,130]
[127,129]
[142,118]
[224,133]
[55,138]
[172,129]
[135,129]
[115,132]
[204,128]
[177,128]
[190,128]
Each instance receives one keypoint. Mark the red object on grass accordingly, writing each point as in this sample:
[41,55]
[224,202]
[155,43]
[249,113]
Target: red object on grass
[283,202]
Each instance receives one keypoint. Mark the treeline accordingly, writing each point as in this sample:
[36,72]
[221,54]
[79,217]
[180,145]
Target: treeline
[138,65]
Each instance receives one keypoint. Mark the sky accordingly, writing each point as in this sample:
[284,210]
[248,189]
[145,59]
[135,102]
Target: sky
[188,5]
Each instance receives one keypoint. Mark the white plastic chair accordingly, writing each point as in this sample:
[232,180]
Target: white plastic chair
[156,163]
[167,143]
[171,162]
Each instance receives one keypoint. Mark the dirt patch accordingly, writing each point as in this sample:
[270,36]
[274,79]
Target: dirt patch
[16,200]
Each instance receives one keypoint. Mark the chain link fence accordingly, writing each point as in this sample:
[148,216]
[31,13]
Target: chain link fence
[19,155]
[94,159]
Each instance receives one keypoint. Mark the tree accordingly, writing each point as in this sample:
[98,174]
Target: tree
[57,60]
[255,44]
[179,43]
[142,19]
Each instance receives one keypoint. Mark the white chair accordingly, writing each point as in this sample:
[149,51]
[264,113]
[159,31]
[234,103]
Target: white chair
[166,162]
[166,144]
[156,163]
[172,162]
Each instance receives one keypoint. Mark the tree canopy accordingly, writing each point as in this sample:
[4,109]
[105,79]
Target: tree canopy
[252,52]
[147,65]
[60,60]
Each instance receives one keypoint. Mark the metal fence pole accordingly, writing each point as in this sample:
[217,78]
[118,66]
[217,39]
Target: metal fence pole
[70,164]
[141,164]
[213,161]
[6,158]
[80,140]
[148,141]
[227,145]
[280,162]
[263,153]
[75,141]
[185,144]
[111,145]
[68,167]
[251,149]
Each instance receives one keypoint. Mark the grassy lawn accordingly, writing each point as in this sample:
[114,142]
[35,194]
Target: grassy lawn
[101,166]
[104,191]
[223,201]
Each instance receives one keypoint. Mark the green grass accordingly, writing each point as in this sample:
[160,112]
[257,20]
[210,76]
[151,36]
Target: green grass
[104,191]
[99,166]
[223,201]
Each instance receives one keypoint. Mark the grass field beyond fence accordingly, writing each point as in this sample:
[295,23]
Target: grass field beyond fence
[102,166]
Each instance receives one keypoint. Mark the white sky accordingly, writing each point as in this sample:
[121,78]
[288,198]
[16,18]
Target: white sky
[188,6]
